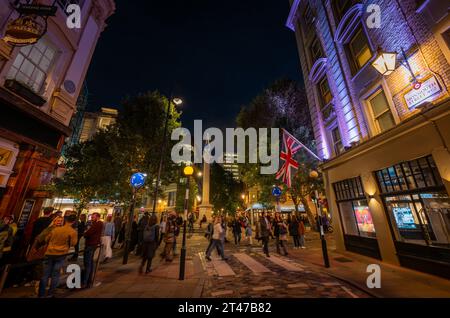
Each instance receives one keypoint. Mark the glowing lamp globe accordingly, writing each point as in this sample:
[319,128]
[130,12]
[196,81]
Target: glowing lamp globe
[188,171]
[385,63]
[313,174]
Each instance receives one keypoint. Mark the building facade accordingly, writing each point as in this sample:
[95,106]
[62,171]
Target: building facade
[377,75]
[93,122]
[39,87]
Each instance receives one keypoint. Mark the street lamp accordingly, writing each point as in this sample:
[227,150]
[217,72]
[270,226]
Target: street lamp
[385,63]
[188,171]
[314,175]
[177,102]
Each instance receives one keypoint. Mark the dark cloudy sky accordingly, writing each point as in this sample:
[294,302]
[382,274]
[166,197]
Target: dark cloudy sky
[216,55]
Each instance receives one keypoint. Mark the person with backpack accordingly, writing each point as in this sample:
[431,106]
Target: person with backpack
[60,239]
[150,244]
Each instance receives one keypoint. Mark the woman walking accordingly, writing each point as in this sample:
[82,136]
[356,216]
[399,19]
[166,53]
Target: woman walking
[150,244]
[301,233]
[293,231]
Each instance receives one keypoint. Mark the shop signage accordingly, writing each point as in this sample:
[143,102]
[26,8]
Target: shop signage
[421,93]
[404,218]
[25,214]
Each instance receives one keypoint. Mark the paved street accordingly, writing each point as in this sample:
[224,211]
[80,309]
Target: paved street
[247,273]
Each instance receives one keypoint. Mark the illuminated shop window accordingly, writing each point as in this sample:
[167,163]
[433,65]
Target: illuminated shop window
[381,111]
[354,208]
[416,202]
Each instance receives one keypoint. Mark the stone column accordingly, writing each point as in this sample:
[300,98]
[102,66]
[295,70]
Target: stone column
[206,208]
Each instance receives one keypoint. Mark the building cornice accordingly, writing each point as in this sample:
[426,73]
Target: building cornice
[292,14]
[416,122]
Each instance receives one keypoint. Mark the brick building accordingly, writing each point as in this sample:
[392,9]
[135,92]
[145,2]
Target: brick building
[383,132]
[39,87]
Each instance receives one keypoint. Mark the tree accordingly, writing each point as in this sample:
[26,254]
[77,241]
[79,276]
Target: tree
[225,190]
[282,105]
[102,166]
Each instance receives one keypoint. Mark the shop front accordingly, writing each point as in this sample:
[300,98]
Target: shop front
[418,209]
[356,219]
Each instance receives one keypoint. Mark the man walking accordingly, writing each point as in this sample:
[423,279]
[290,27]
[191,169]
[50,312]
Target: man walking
[59,240]
[93,239]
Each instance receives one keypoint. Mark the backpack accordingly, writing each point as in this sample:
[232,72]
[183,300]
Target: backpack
[150,234]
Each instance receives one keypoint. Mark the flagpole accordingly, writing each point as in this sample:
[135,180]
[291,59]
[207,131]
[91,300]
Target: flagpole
[306,148]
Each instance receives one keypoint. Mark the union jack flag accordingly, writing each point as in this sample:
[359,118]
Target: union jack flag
[290,147]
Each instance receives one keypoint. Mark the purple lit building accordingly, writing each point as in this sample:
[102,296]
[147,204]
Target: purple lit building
[377,75]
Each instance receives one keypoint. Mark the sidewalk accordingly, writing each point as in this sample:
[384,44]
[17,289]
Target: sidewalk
[396,281]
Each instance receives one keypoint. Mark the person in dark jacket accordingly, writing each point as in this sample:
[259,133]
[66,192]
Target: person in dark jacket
[134,239]
[293,231]
[41,224]
[237,230]
[81,228]
[141,226]
[93,239]
[279,230]
[150,244]
[264,232]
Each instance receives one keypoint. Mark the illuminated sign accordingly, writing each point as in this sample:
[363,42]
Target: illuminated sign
[422,93]
[404,218]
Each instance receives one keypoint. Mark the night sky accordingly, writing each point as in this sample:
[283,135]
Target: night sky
[216,55]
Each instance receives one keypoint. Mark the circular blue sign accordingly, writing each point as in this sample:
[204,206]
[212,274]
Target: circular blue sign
[276,192]
[138,180]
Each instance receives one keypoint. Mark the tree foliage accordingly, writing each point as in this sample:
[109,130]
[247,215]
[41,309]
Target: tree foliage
[225,191]
[282,105]
[101,167]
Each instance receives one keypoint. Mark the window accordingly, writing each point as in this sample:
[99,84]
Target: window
[341,7]
[381,111]
[172,198]
[316,50]
[353,208]
[410,175]
[446,36]
[421,218]
[358,50]
[337,141]
[32,65]
[326,98]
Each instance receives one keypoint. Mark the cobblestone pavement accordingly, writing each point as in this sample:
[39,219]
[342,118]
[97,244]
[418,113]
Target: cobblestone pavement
[248,274]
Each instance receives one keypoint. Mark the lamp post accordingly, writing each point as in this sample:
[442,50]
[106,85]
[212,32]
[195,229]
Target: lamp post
[137,181]
[177,102]
[314,175]
[188,172]
[385,62]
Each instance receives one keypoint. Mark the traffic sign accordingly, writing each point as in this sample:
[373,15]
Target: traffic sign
[276,191]
[138,180]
